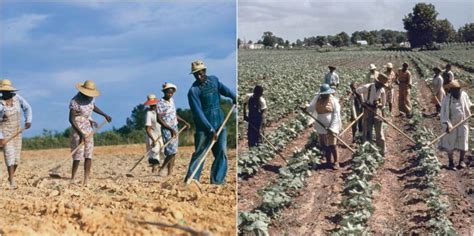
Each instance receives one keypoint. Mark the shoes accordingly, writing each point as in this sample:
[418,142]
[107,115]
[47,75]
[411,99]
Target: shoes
[451,166]
[461,165]
[336,166]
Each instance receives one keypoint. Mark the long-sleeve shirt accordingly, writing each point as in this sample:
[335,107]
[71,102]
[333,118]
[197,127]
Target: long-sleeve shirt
[375,95]
[331,78]
[25,107]
[204,99]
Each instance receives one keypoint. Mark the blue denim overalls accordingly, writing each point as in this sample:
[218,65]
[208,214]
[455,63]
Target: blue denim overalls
[204,99]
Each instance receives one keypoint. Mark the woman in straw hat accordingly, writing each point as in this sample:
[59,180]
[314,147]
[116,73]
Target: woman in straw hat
[390,90]
[325,107]
[404,82]
[167,113]
[204,98]
[455,107]
[80,116]
[153,132]
[11,106]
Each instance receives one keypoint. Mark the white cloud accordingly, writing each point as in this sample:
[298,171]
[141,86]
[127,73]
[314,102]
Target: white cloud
[16,30]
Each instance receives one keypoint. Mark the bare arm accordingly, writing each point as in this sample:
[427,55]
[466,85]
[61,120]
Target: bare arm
[100,112]
[148,133]
[72,120]
[163,123]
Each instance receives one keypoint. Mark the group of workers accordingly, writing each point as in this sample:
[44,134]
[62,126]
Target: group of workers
[161,124]
[371,104]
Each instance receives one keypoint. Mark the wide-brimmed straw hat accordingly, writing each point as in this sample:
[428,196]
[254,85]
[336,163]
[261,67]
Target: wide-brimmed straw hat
[372,67]
[389,65]
[168,86]
[453,84]
[6,85]
[151,100]
[88,88]
[326,89]
[197,66]
[383,79]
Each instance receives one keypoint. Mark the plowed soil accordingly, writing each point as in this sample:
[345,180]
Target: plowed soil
[108,205]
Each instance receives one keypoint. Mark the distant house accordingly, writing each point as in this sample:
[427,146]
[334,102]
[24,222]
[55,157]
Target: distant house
[256,46]
[362,42]
[405,44]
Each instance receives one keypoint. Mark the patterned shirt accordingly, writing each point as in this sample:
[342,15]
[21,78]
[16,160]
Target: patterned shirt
[167,111]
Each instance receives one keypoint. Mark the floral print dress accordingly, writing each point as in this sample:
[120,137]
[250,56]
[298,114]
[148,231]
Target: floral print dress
[83,108]
[167,111]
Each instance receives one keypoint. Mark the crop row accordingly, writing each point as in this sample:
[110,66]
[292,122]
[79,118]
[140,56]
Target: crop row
[279,195]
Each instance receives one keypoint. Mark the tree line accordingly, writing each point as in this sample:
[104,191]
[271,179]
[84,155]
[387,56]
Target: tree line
[133,132]
[423,30]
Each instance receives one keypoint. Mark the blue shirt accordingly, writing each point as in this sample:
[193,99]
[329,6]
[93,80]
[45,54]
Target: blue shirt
[204,99]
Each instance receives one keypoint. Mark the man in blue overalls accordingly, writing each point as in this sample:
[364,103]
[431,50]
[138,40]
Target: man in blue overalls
[204,98]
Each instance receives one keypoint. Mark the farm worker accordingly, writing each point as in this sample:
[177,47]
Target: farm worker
[80,116]
[325,107]
[390,90]
[169,130]
[332,78]
[153,132]
[404,86]
[374,97]
[204,98]
[356,110]
[257,106]
[438,88]
[454,108]
[447,75]
[11,106]
[372,75]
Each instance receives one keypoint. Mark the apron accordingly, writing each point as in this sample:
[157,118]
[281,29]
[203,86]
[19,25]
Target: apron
[10,126]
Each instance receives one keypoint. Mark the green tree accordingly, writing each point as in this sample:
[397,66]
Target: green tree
[344,38]
[268,39]
[466,33]
[421,25]
[239,42]
[321,40]
[444,31]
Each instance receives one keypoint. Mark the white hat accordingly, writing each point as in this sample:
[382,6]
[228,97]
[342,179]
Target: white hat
[389,65]
[372,67]
[169,85]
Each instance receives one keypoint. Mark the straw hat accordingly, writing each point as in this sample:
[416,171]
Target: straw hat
[151,100]
[454,84]
[168,86]
[331,67]
[326,89]
[197,66]
[389,65]
[88,88]
[6,85]
[372,67]
[383,79]
[437,69]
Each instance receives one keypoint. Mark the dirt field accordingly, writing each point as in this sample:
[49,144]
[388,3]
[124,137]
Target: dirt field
[45,206]
[317,210]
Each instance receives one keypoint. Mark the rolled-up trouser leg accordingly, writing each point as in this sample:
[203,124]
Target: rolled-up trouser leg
[201,142]
[219,165]
[379,136]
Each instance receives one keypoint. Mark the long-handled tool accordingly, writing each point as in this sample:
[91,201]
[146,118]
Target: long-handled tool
[129,174]
[269,143]
[190,178]
[390,123]
[454,127]
[13,136]
[351,124]
[335,135]
[54,171]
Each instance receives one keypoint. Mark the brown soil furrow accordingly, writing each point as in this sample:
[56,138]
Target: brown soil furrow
[248,188]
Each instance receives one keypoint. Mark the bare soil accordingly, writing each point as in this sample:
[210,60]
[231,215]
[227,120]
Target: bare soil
[45,206]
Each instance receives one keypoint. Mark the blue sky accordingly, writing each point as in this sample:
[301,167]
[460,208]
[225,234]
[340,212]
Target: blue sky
[129,49]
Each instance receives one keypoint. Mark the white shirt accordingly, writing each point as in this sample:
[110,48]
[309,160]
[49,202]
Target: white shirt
[263,103]
[331,78]
[374,94]
[150,120]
